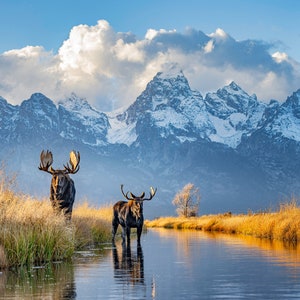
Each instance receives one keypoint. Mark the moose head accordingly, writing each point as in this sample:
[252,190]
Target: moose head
[62,189]
[130,214]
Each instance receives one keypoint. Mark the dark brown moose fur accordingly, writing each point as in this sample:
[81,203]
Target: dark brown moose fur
[62,189]
[129,215]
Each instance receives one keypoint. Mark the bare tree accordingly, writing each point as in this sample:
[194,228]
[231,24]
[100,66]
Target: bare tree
[187,201]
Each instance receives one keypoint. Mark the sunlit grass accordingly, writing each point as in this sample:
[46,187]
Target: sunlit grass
[92,225]
[31,233]
[283,224]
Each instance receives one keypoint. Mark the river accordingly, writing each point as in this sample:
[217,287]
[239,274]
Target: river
[171,264]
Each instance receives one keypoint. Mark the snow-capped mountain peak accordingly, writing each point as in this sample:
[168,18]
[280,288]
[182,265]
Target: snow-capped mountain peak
[285,119]
[234,113]
[229,143]
[169,107]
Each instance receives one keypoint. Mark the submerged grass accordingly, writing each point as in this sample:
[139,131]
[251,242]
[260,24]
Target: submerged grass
[283,224]
[30,233]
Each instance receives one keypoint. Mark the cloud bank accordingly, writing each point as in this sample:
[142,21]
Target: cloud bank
[110,69]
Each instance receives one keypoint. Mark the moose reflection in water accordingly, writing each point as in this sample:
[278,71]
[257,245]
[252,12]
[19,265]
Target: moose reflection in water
[129,268]
[62,189]
[130,215]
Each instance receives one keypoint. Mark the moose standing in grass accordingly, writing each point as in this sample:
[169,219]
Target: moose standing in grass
[130,215]
[62,189]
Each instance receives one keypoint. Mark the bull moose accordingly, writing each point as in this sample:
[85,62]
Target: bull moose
[62,188]
[130,215]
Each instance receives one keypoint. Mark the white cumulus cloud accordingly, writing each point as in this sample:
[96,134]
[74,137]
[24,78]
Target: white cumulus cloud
[112,68]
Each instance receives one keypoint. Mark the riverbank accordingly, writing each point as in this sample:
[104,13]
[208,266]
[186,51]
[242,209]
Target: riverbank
[283,224]
[31,234]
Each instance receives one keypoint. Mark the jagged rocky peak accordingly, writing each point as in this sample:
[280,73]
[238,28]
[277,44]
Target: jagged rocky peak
[166,89]
[74,103]
[6,107]
[82,109]
[169,108]
[81,122]
[3,101]
[170,83]
[293,103]
[230,99]
[38,101]
[237,98]
[40,109]
[37,118]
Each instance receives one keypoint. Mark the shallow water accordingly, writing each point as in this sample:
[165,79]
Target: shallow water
[171,264]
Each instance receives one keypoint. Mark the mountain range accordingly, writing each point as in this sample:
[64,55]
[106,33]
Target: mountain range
[242,153]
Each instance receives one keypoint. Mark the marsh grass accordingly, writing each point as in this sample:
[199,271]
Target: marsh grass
[92,225]
[30,232]
[283,224]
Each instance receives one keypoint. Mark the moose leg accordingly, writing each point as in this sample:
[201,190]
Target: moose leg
[128,235]
[123,235]
[139,233]
[68,212]
[115,225]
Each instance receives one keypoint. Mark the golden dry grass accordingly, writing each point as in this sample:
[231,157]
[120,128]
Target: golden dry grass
[31,233]
[92,225]
[283,224]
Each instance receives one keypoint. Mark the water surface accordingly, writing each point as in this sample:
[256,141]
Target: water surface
[171,264]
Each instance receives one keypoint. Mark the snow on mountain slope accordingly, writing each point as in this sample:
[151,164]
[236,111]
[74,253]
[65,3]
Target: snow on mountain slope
[286,121]
[239,150]
[233,113]
[81,122]
[121,133]
[167,104]
[171,106]
[8,117]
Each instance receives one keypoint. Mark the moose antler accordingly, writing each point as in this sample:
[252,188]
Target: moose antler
[138,198]
[126,196]
[46,162]
[152,193]
[74,162]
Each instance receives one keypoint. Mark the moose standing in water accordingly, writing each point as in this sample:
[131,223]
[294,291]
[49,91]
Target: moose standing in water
[130,215]
[62,189]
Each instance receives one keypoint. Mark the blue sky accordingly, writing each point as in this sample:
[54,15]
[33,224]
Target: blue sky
[36,38]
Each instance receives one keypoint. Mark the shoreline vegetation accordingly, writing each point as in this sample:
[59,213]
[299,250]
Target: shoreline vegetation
[283,224]
[32,234]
